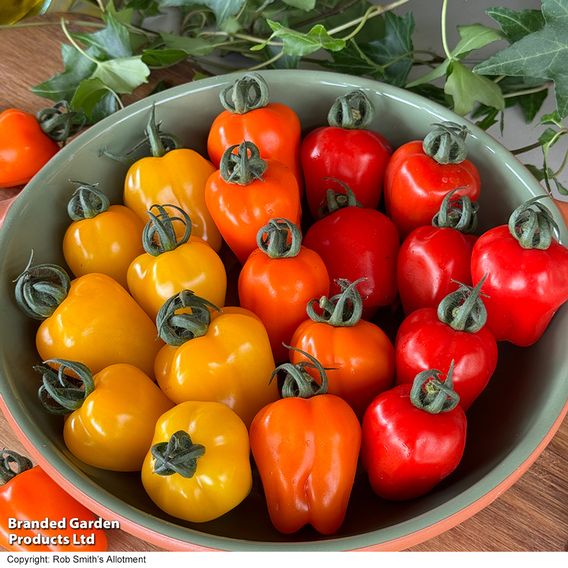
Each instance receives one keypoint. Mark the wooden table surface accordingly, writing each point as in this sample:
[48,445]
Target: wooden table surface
[531,516]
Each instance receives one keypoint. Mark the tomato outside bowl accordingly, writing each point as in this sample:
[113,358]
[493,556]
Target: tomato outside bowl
[509,425]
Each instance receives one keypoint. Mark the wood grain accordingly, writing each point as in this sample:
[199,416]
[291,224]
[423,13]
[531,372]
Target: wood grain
[531,516]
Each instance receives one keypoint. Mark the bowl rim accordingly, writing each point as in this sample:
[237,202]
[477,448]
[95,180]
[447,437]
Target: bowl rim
[394,537]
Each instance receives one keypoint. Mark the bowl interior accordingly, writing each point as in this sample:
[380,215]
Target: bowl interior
[506,424]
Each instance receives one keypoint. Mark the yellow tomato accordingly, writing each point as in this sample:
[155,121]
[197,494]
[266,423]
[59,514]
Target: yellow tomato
[102,238]
[174,265]
[232,363]
[114,425]
[199,466]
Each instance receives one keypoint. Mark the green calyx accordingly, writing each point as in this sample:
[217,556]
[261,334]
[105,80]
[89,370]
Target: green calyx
[245,94]
[431,394]
[445,143]
[342,310]
[244,166]
[464,310]
[298,382]
[160,143]
[59,122]
[178,455]
[40,289]
[12,464]
[279,238]
[351,111]
[87,201]
[532,225]
[335,200]
[457,212]
[159,234]
[176,328]
[60,392]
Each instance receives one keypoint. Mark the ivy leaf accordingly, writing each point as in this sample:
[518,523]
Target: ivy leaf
[88,95]
[540,54]
[302,4]
[467,88]
[122,75]
[223,9]
[113,40]
[472,37]
[394,52]
[163,57]
[76,68]
[190,45]
[551,118]
[300,44]
[516,24]
[531,104]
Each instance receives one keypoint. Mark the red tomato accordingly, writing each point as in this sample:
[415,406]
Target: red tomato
[406,449]
[425,341]
[433,260]
[347,152]
[24,148]
[419,176]
[355,243]
[527,274]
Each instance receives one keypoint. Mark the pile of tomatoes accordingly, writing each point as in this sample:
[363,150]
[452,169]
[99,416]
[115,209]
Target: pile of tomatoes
[154,373]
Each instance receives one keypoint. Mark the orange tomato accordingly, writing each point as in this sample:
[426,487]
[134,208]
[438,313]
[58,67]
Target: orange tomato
[246,192]
[273,127]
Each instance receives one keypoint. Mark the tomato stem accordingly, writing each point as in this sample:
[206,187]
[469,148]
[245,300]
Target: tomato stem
[87,201]
[61,393]
[431,394]
[245,166]
[177,328]
[12,464]
[245,94]
[298,382]
[464,310]
[532,224]
[279,238]
[40,289]
[159,234]
[351,111]
[178,455]
[342,310]
[457,212]
[59,122]
[334,200]
[445,143]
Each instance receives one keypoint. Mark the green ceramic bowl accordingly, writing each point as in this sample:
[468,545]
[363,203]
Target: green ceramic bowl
[509,425]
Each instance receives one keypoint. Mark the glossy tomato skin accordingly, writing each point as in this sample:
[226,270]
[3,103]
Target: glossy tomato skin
[355,243]
[24,147]
[306,451]
[415,185]
[424,342]
[354,156]
[275,129]
[430,262]
[278,289]
[33,495]
[524,287]
[360,359]
[407,451]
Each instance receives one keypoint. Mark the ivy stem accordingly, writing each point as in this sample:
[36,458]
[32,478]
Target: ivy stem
[562,165]
[266,63]
[525,149]
[444,32]
[527,91]
[74,43]
[370,13]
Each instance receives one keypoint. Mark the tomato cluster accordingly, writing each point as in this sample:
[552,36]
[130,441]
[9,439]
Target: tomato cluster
[362,333]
